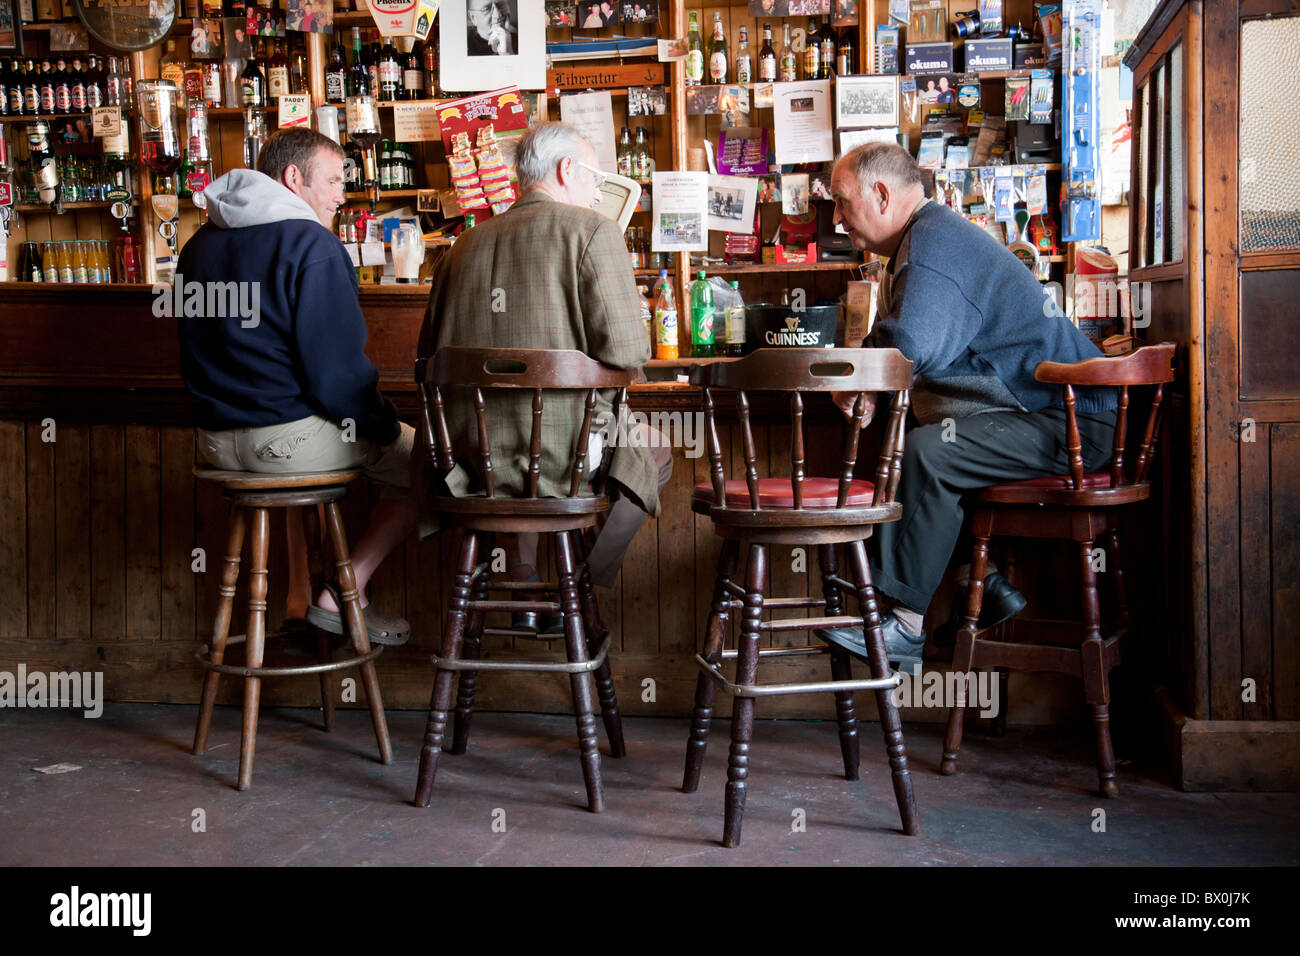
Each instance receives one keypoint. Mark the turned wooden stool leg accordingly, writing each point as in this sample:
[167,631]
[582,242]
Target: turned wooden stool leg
[467,686]
[963,655]
[705,689]
[742,710]
[582,684]
[594,627]
[355,624]
[255,642]
[890,722]
[452,638]
[1096,683]
[1116,568]
[841,668]
[316,571]
[221,626]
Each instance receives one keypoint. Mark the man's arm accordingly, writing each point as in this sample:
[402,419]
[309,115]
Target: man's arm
[330,336]
[932,322]
[611,306]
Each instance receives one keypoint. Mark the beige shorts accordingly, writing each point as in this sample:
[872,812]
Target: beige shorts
[309,444]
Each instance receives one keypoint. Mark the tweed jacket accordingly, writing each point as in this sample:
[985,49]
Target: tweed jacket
[542,275]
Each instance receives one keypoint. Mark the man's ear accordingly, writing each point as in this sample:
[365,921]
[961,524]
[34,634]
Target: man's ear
[292,179]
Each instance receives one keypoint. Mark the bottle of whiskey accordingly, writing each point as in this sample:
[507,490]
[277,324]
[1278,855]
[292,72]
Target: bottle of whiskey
[336,76]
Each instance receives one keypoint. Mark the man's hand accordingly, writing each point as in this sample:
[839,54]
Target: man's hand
[845,402]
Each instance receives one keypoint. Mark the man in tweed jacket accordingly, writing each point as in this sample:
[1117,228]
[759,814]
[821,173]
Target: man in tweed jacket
[549,273]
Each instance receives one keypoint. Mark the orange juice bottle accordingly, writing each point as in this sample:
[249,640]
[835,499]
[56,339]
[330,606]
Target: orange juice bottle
[64,257]
[80,271]
[665,319]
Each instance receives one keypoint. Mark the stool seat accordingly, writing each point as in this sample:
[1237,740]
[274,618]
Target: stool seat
[258,481]
[779,493]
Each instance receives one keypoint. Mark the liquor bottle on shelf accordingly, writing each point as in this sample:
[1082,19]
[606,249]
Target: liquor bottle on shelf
[77,85]
[358,75]
[172,66]
[789,66]
[252,85]
[114,87]
[13,89]
[744,59]
[767,57]
[665,319]
[31,89]
[336,76]
[199,151]
[694,53]
[389,69]
[6,69]
[642,164]
[812,53]
[212,84]
[827,42]
[734,325]
[254,136]
[94,81]
[62,87]
[702,337]
[718,66]
[298,68]
[844,60]
[431,66]
[30,268]
[413,72]
[47,87]
[372,62]
[277,73]
[625,153]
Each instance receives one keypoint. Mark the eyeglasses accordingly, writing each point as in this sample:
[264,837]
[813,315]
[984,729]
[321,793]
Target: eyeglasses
[597,176]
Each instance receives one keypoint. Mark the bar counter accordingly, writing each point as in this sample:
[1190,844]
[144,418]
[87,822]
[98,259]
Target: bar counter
[109,548]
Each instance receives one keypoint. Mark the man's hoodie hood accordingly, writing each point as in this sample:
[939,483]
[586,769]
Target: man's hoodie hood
[245,197]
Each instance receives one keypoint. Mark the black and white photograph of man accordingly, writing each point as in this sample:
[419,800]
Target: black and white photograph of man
[491,27]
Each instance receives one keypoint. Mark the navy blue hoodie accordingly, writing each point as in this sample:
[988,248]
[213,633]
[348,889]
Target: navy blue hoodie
[303,353]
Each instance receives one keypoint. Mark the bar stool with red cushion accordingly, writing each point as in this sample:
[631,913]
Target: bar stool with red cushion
[804,511]
[1077,507]
[562,520]
[254,495]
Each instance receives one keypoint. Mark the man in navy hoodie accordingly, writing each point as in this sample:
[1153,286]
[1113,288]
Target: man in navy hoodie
[975,323]
[289,389]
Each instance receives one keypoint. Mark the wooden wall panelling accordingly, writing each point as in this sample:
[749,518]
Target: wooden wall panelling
[785,581]
[1284,489]
[177,579]
[42,543]
[107,533]
[143,541]
[643,593]
[72,529]
[1222,520]
[678,613]
[13,530]
[1256,597]
[708,546]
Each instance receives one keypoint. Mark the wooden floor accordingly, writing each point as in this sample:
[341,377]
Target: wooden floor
[319,799]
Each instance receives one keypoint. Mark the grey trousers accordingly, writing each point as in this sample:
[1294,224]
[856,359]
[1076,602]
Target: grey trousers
[625,519]
[909,556]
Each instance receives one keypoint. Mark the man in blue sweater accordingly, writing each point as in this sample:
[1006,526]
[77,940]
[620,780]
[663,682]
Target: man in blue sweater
[289,388]
[975,323]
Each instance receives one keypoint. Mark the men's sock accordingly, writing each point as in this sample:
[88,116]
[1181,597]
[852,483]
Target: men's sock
[913,621]
[963,574]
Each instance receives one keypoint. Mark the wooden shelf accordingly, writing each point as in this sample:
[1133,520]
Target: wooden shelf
[48,117]
[42,207]
[687,362]
[755,267]
[385,194]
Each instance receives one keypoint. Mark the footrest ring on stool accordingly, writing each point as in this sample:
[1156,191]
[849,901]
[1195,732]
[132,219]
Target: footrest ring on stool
[544,667]
[238,670]
[714,671]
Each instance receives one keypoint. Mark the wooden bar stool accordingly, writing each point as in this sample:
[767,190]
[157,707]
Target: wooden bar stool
[563,520]
[252,496]
[822,512]
[1076,507]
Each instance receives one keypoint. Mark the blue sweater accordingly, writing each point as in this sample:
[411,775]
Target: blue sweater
[304,353]
[975,323]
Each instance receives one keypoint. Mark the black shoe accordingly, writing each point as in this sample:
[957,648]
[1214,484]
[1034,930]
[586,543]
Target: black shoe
[1001,603]
[901,647]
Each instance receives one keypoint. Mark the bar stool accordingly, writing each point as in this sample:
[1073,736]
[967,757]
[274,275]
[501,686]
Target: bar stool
[252,496]
[1076,507]
[563,520]
[761,512]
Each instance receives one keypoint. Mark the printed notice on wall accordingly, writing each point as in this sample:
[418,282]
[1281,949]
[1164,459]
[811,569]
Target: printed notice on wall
[295,109]
[592,114]
[681,205]
[802,117]
[416,122]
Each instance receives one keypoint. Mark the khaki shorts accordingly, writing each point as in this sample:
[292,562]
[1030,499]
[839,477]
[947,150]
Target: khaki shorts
[310,444]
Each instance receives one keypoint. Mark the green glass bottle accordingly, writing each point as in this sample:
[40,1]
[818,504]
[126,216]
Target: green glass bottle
[702,337]
[694,53]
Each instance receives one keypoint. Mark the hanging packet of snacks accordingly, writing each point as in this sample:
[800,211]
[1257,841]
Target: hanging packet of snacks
[1036,194]
[479,134]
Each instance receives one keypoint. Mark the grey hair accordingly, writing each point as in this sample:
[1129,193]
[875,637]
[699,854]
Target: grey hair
[542,148]
[873,162]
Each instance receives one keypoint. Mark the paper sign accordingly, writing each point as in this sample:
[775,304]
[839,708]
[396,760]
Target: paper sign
[6,194]
[424,18]
[372,253]
[353,254]
[416,122]
[107,122]
[295,109]
[592,114]
[394,17]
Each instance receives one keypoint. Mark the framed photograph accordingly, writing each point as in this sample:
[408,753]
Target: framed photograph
[769,8]
[731,203]
[640,11]
[561,13]
[647,100]
[488,44]
[594,14]
[845,13]
[867,100]
[11,34]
